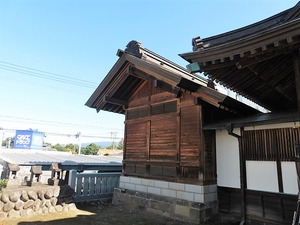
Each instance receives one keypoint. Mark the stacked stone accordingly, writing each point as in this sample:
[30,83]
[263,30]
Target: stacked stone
[20,202]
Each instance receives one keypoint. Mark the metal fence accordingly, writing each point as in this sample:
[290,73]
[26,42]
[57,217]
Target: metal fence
[93,186]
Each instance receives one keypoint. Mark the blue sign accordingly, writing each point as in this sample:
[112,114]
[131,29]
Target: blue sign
[27,139]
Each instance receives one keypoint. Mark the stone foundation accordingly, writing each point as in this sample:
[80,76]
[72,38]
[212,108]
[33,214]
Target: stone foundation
[185,202]
[42,199]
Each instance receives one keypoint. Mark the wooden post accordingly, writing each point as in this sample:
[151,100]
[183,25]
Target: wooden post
[296,61]
[72,178]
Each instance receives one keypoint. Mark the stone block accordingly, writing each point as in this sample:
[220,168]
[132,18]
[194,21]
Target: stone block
[141,188]
[58,208]
[29,204]
[56,191]
[19,205]
[41,194]
[182,211]
[49,194]
[185,195]
[168,193]
[161,184]
[24,196]
[210,197]
[29,212]
[135,180]
[199,198]
[121,185]
[14,196]
[53,201]
[5,197]
[148,182]
[176,186]
[52,209]
[130,186]
[154,190]
[72,207]
[14,214]
[124,179]
[8,207]
[210,188]
[194,188]
[32,195]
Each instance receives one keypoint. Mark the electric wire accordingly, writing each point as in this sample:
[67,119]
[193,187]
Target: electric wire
[45,75]
[48,122]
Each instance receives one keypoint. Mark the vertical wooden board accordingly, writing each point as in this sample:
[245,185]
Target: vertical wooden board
[86,186]
[136,141]
[169,171]
[98,185]
[104,185]
[130,168]
[163,141]
[79,187]
[92,185]
[209,155]
[156,170]
[190,138]
[141,169]
[270,144]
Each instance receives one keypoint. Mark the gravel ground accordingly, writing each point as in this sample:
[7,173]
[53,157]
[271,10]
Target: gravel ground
[105,213]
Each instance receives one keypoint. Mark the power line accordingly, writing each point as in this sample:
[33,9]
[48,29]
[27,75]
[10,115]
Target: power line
[45,75]
[66,135]
[48,122]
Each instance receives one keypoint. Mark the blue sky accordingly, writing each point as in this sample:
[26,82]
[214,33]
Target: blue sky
[46,46]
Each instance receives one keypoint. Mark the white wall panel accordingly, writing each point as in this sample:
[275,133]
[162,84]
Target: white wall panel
[262,176]
[228,170]
[289,177]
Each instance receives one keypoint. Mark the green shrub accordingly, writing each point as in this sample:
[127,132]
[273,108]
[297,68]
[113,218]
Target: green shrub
[3,183]
[106,154]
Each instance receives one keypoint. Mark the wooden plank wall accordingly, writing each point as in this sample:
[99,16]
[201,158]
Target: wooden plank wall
[261,207]
[164,139]
[270,144]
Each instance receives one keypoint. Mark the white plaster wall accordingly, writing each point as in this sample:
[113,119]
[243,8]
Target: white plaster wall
[262,176]
[289,177]
[227,152]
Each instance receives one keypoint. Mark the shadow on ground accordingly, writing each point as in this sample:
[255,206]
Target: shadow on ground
[100,213]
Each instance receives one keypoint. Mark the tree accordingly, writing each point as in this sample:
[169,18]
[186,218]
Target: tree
[91,149]
[121,144]
[71,148]
[8,141]
[59,147]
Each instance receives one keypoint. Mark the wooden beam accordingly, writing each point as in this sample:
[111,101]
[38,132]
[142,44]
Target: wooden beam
[296,61]
[167,87]
[115,101]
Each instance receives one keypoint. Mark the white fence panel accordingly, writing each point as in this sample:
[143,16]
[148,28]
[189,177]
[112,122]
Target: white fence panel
[93,186]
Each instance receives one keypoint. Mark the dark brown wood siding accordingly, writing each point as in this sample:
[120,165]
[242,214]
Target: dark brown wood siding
[261,207]
[270,144]
[190,138]
[164,138]
[136,141]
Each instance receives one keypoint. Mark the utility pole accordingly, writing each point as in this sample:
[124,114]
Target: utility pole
[113,136]
[78,135]
[1,137]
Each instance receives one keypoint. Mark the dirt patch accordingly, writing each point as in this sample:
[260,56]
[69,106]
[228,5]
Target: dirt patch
[105,213]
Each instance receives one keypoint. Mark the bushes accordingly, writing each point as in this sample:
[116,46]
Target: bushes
[3,183]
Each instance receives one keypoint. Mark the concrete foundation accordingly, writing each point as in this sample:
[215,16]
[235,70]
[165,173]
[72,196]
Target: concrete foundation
[185,202]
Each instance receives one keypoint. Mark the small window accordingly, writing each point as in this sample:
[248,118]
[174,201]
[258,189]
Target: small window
[168,107]
[136,113]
